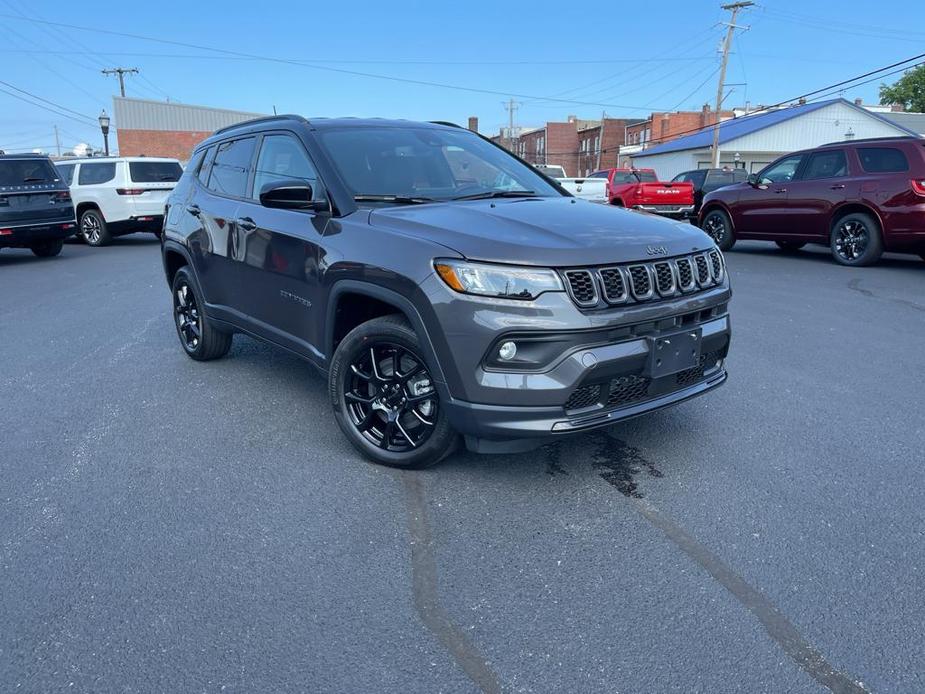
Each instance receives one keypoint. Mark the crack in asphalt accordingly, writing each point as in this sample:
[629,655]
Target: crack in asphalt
[619,463]
[855,285]
[425,594]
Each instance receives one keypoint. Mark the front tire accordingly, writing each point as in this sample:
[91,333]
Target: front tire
[856,240]
[384,397]
[200,339]
[789,246]
[717,225]
[47,249]
[93,228]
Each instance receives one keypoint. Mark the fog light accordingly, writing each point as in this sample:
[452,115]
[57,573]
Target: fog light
[507,351]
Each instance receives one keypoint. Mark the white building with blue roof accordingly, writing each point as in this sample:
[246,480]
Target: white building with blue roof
[755,140]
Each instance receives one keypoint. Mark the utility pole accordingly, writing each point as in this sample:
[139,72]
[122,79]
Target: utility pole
[57,141]
[121,72]
[600,144]
[511,106]
[730,30]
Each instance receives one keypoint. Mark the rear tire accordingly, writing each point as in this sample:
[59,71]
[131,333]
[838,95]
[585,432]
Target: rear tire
[93,228]
[384,398]
[789,246]
[717,225]
[47,249]
[199,337]
[855,240]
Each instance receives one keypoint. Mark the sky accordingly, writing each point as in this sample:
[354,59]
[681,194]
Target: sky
[430,60]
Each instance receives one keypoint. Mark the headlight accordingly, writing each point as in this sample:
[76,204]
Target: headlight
[504,281]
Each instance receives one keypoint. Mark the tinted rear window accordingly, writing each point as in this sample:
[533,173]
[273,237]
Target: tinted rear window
[22,172]
[646,177]
[66,171]
[882,159]
[232,167]
[155,171]
[91,174]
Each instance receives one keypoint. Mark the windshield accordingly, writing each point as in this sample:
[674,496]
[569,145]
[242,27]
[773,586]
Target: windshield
[427,164]
[20,172]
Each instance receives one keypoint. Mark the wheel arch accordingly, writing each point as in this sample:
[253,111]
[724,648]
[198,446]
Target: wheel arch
[174,256]
[713,206]
[352,302]
[87,205]
[853,207]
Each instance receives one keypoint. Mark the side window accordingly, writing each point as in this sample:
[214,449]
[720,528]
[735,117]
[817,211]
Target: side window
[681,178]
[781,171]
[623,177]
[66,171]
[827,164]
[882,159]
[206,165]
[232,167]
[598,174]
[282,158]
[194,165]
[93,174]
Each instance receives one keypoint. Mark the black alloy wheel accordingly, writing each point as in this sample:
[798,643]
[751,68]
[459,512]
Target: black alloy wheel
[390,397]
[201,339]
[189,320]
[718,227]
[856,240]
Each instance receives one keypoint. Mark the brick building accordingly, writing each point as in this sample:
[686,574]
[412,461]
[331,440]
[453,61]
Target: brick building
[663,127]
[163,129]
[599,145]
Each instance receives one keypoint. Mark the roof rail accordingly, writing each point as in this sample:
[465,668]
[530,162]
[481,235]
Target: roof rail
[265,119]
[872,139]
[447,123]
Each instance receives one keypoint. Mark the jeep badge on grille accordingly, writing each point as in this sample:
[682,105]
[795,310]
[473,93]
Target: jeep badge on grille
[656,250]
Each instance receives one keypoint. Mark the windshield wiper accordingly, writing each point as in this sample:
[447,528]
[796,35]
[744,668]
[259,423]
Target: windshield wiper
[498,194]
[34,179]
[400,199]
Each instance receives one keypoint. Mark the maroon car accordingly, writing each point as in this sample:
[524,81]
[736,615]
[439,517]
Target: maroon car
[860,198]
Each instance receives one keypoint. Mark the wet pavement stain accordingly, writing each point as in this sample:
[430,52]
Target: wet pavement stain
[618,464]
[553,454]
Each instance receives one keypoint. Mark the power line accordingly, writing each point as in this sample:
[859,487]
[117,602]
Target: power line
[51,103]
[121,72]
[326,68]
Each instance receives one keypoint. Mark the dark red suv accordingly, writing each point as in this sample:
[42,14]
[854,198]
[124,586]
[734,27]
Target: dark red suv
[860,198]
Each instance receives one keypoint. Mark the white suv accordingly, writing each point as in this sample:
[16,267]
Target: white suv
[119,195]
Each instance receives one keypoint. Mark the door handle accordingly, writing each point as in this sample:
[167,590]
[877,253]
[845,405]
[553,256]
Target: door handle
[193,210]
[780,190]
[838,186]
[246,223]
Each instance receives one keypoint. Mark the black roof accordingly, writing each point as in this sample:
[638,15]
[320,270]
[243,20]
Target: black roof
[324,123]
[893,138]
[25,155]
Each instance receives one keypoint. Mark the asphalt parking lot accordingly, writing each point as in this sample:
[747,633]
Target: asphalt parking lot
[167,525]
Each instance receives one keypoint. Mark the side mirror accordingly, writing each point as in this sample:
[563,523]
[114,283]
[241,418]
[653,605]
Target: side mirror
[752,180]
[291,195]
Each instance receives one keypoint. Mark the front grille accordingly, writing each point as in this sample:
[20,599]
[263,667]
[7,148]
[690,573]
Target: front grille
[595,287]
[703,271]
[583,397]
[582,287]
[694,374]
[664,279]
[627,389]
[614,285]
[685,274]
[716,263]
[642,281]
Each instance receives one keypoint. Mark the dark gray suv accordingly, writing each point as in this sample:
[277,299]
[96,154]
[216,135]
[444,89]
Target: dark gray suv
[447,289]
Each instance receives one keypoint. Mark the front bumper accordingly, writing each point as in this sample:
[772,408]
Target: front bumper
[25,235]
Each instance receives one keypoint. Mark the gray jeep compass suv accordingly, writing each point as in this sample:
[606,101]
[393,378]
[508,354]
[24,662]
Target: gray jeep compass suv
[445,287]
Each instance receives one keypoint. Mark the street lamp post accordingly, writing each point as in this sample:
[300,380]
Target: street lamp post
[104,126]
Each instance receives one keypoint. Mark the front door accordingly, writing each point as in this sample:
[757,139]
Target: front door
[280,250]
[762,209]
[819,187]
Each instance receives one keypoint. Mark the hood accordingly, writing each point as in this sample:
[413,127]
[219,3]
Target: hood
[557,232]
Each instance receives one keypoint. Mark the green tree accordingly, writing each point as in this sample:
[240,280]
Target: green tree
[908,90]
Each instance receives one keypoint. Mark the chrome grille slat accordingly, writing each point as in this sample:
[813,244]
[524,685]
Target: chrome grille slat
[596,287]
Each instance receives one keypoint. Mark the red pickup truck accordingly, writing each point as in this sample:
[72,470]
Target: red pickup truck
[640,189]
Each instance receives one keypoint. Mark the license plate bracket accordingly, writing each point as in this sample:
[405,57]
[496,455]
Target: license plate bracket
[669,354]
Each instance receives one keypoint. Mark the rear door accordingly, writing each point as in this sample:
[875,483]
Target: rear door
[215,205]
[761,210]
[821,184]
[280,251]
